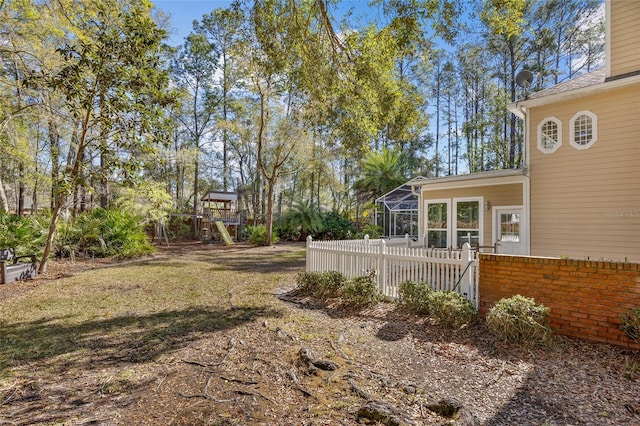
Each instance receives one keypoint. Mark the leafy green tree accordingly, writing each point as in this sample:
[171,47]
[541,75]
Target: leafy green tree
[110,81]
[194,69]
[222,28]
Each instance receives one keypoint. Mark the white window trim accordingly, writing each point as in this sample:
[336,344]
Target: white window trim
[454,209]
[541,147]
[495,219]
[594,130]
[447,201]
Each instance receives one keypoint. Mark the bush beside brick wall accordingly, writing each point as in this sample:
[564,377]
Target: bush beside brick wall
[585,298]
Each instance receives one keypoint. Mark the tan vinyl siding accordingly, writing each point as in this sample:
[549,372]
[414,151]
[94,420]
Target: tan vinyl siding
[586,203]
[625,32]
[497,195]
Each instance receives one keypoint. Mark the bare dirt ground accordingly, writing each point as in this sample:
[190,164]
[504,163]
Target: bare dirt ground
[302,363]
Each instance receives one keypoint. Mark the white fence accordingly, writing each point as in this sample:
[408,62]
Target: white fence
[397,261]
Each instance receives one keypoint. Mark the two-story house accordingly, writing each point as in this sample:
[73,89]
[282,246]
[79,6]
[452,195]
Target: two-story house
[578,194]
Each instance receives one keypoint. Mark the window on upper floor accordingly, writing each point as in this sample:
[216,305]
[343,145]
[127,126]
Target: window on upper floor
[583,129]
[549,135]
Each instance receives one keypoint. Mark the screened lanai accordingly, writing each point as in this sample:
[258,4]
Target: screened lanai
[397,213]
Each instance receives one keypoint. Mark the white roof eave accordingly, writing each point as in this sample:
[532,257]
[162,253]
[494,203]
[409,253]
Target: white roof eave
[494,177]
[519,107]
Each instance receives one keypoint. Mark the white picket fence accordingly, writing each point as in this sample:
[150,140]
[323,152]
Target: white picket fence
[397,261]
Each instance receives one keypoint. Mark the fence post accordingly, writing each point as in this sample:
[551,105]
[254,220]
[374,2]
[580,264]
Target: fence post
[382,266]
[366,239]
[407,240]
[466,280]
[308,254]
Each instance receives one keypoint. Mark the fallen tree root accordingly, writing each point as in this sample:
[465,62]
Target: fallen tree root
[453,409]
[241,381]
[358,391]
[377,410]
[308,358]
[254,393]
[292,375]
[383,412]
[232,344]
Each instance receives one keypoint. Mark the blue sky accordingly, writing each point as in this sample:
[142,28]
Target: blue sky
[184,12]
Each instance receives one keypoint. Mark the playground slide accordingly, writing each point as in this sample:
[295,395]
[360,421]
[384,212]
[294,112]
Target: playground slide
[223,231]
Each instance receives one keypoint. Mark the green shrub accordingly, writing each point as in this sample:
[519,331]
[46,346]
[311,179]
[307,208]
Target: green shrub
[519,319]
[356,292]
[103,233]
[373,231]
[179,227]
[413,296]
[320,284]
[284,231]
[334,227]
[630,323]
[306,282]
[360,291]
[25,234]
[451,309]
[330,284]
[258,235]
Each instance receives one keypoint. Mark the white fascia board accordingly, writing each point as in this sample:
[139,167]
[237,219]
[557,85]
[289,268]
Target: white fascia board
[502,177]
[520,107]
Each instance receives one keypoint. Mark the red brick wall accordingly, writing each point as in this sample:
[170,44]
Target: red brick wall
[585,298]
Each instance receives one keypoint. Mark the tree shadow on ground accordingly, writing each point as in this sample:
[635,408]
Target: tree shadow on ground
[292,262]
[128,338]
[531,384]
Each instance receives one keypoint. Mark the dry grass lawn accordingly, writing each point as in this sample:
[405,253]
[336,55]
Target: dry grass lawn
[203,335]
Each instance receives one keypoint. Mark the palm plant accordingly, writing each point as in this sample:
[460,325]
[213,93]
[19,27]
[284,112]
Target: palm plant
[381,172]
[304,216]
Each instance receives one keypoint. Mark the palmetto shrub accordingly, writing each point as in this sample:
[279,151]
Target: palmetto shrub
[413,296]
[519,319]
[451,309]
[258,235]
[103,233]
[25,234]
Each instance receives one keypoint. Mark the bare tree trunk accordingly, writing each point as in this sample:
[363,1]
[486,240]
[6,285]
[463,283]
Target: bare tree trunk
[269,217]
[4,203]
[21,189]
[104,183]
[55,214]
[195,199]
[54,141]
